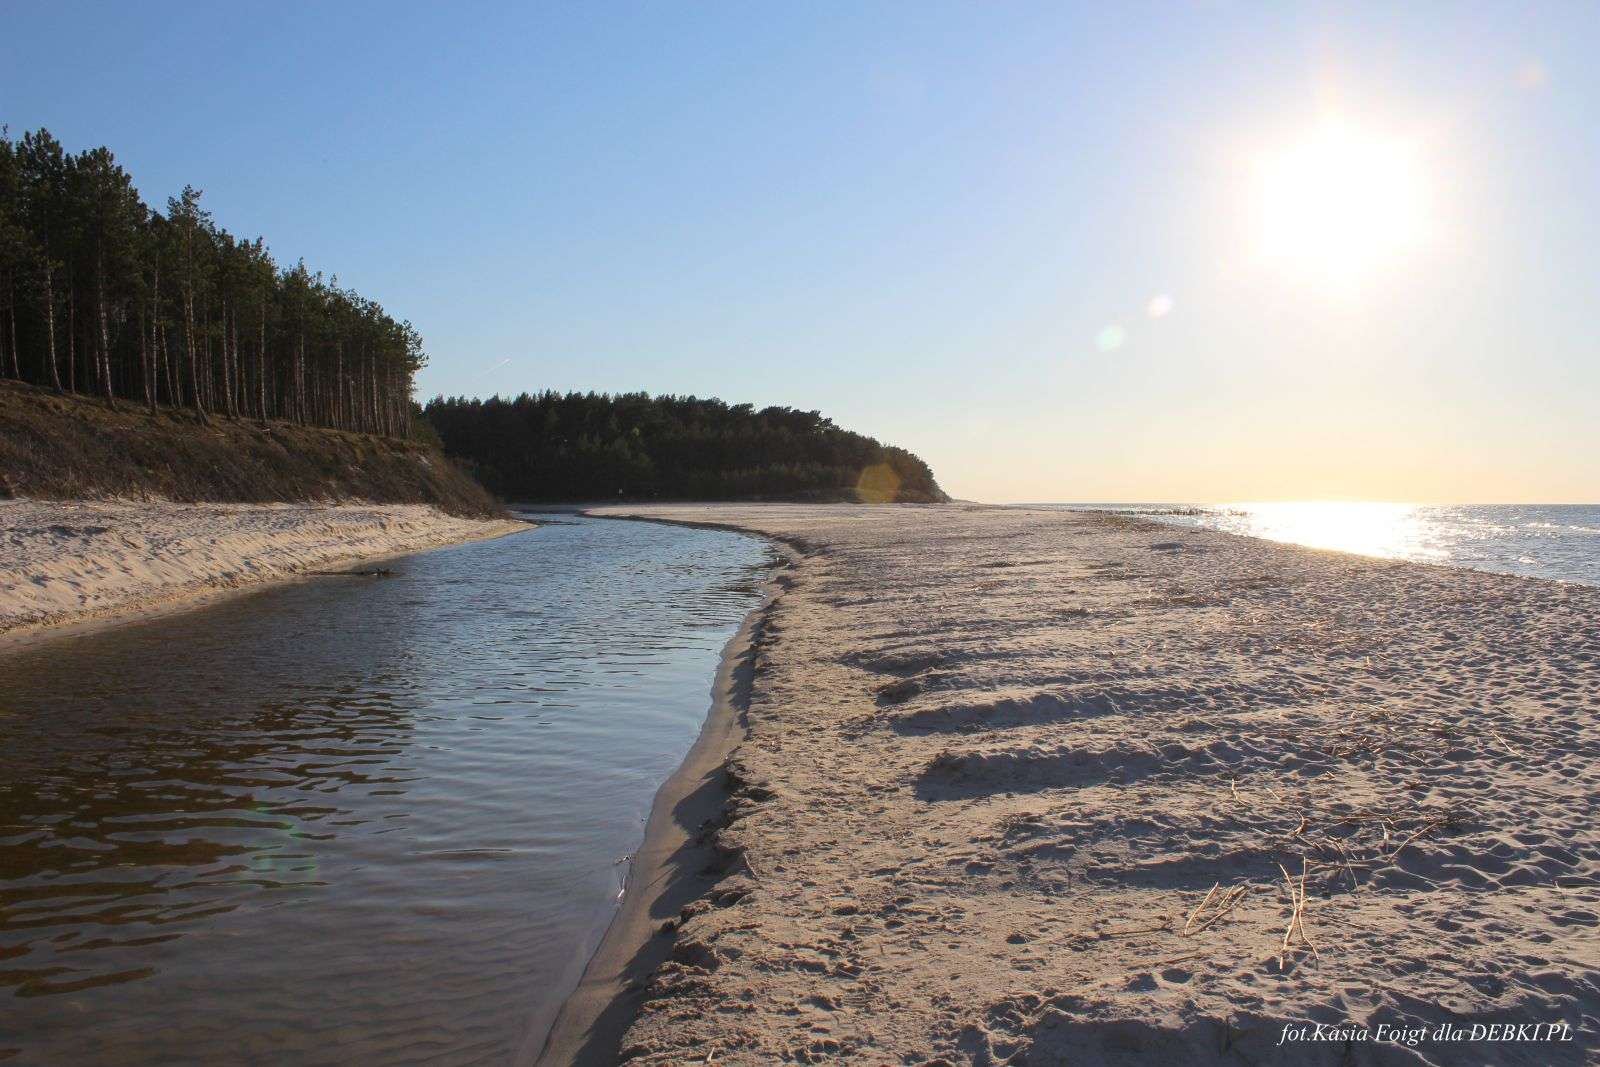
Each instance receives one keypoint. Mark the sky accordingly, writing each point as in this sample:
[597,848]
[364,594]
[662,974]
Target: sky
[1201,251]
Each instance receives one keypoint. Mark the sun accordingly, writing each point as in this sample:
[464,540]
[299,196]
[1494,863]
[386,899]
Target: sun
[1341,205]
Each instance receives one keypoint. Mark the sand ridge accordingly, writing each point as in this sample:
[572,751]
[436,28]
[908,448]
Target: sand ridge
[1034,787]
[64,562]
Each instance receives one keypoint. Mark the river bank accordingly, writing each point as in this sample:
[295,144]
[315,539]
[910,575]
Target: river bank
[68,562]
[1036,785]
[676,864]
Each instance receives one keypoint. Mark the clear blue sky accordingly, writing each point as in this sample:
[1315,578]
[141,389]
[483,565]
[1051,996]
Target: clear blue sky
[942,224]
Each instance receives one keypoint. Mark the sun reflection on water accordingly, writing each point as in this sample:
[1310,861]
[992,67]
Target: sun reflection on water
[1554,541]
[1391,531]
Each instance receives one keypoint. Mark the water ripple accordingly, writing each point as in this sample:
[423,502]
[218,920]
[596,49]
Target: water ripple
[371,821]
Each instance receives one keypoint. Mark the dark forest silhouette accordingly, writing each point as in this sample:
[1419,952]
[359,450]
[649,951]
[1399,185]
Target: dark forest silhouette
[101,295]
[593,446]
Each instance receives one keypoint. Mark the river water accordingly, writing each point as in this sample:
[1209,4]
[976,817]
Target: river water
[350,820]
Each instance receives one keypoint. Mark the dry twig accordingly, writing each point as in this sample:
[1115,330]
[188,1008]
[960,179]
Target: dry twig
[1200,907]
[1221,907]
[1297,898]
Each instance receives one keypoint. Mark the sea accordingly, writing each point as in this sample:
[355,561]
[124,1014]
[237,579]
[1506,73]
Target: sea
[1560,542]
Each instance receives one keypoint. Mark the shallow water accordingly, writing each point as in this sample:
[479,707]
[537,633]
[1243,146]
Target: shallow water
[374,820]
[1559,541]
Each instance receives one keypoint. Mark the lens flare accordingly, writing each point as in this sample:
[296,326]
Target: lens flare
[878,484]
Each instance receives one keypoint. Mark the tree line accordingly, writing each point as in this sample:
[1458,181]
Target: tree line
[590,446]
[100,294]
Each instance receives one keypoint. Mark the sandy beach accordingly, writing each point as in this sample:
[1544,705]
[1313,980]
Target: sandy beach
[70,562]
[1039,787]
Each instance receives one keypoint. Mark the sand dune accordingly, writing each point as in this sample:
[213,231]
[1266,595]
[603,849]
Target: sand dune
[65,562]
[1031,787]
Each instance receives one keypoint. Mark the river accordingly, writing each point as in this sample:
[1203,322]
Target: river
[350,819]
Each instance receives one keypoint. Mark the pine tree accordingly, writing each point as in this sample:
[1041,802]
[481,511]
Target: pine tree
[201,318]
[109,215]
[44,194]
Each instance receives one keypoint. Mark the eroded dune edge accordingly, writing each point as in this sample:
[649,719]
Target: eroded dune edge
[69,562]
[1032,787]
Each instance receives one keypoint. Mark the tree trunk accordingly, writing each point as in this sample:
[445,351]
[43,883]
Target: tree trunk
[164,354]
[226,402]
[11,305]
[72,336]
[151,355]
[194,357]
[50,317]
[377,402]
[105,337]
[16,367]
[261,365]
[146,376]
[206,362]
[230,358]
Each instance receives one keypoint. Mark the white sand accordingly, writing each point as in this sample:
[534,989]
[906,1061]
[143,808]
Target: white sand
[68,562]
[996,761]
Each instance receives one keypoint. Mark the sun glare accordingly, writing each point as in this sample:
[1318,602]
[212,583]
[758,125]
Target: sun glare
[1392,531]
[1341,204]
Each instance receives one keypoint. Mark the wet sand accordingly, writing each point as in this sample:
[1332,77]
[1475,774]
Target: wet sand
[1042,787]
[64,562]
[676,864]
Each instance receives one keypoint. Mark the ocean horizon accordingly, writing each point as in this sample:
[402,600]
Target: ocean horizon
[1560,542]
